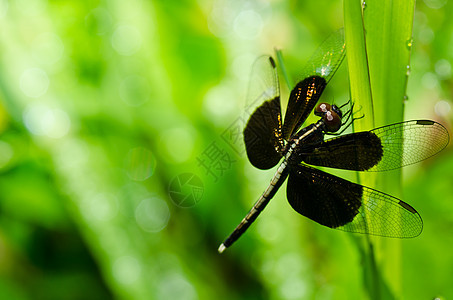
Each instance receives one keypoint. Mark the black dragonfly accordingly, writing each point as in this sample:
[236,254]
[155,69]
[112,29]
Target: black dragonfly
[322,197]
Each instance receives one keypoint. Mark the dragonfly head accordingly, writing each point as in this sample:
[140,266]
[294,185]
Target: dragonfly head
[331,116]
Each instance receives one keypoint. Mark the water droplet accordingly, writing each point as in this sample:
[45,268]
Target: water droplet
[409,43]
[408,70]
[363,5]
[405,99]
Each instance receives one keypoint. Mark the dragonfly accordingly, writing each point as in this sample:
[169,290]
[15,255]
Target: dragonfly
[320,196]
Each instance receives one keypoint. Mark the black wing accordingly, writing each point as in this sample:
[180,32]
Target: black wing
[381,149]
[341,204]
[262,134]
[317,73]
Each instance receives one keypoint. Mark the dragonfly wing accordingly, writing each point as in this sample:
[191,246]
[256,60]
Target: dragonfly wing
[317,73]
[381,149]
[262,133]
[337,203]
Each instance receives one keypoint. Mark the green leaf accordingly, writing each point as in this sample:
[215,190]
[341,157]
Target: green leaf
[359,77]
[378,41]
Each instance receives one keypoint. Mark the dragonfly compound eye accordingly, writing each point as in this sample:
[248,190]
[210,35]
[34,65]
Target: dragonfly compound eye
[321,109]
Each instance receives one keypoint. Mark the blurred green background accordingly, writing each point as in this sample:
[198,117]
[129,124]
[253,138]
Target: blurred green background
[122,169]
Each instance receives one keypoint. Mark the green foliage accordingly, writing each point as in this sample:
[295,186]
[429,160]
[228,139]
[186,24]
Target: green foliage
[379,40]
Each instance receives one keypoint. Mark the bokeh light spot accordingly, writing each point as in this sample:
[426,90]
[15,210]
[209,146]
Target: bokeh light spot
[152,214]
[126,270]
[443,68]
[115,241]
[442,108]
[248,24]
[238,66]
[78,152]
[6,153]
[218,104]
[99,21]
[34,82]
[31,7]
[269,230]
[430,81]
[134,90]
[184,136]
[47,48]
[221,19]
[175,286]
[102,207]
[140,164]
[426,35]
[435,4]
[57,123]
[293,288]
[42,120]
[126,40]
[289,264]
[3,8]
